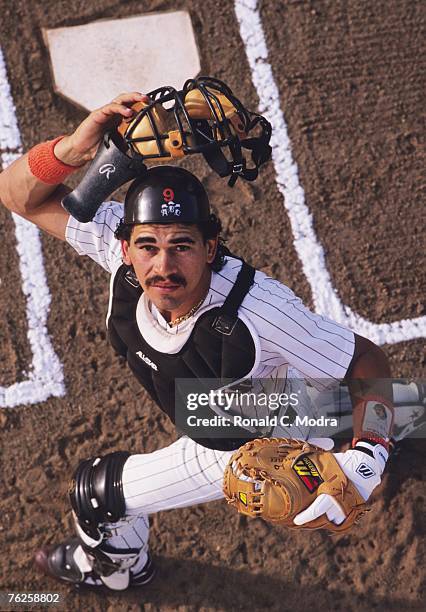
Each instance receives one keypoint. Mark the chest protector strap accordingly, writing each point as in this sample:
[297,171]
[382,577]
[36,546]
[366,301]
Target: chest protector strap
[225,322]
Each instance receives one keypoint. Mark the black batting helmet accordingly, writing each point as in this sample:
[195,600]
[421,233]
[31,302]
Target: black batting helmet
[166,194]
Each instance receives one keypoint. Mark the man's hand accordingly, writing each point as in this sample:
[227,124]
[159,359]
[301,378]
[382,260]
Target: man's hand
[363,470]
[81,146]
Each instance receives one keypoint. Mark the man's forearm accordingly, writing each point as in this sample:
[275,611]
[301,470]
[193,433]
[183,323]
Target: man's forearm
[370,373]
[370,386]
[21,191]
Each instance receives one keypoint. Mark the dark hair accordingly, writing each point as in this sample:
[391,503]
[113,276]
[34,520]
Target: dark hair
[210,228]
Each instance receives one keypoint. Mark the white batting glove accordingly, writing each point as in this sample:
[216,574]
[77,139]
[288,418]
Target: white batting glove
[363,466]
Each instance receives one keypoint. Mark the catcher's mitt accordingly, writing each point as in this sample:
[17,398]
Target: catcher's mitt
[276,478]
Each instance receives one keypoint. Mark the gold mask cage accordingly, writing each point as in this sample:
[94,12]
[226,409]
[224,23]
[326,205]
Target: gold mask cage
[204,117]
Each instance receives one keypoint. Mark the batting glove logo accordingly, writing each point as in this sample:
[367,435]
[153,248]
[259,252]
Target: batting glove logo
[365,470]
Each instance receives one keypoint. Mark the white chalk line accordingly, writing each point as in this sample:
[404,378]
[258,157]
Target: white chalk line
[308,248]
[45,376]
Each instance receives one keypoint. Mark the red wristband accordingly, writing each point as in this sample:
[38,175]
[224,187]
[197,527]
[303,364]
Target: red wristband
[372,438]
[45,166]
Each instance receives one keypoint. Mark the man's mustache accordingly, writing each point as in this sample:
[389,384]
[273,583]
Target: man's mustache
[174,279]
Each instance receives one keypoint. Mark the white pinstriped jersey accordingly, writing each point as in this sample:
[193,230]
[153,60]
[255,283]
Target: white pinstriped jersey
[290,335]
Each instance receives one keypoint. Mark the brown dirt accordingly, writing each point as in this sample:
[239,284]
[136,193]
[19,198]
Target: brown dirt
[351,77]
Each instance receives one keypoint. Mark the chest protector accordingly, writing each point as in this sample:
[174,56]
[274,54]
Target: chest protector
[220,346]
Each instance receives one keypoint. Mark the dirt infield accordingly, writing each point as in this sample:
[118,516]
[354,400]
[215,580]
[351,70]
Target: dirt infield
[351,78]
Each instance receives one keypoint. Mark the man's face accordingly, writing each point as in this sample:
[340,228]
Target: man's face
[170,262]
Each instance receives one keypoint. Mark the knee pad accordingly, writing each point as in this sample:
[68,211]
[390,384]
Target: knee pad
[96,492]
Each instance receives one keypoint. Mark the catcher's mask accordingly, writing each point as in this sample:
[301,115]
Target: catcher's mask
[204,117]
[166,194]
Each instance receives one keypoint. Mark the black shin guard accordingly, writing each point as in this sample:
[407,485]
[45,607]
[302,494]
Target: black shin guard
[96,492]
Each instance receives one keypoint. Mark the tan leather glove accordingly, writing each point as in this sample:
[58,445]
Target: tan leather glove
[277,478]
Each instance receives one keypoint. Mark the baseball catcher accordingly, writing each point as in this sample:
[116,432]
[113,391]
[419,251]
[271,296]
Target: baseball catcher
[182,306]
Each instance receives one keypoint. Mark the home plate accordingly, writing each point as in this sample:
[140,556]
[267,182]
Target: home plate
[93,63]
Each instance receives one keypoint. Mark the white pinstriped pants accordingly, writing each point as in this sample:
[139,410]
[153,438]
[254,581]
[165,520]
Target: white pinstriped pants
[182,474]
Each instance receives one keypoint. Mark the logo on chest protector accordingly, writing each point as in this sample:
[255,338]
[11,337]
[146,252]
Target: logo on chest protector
[147,360]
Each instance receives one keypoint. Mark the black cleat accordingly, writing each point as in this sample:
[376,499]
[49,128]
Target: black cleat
[59,563]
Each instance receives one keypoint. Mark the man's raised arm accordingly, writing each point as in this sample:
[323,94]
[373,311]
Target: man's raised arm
[32,186]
